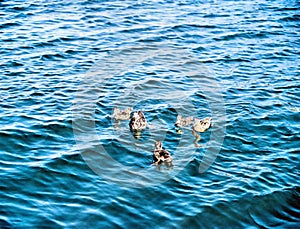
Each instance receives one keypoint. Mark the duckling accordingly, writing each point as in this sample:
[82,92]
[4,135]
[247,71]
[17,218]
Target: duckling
[197,139]
[161,155]
[122,115]
[138,122]
[201,125]
[180,121]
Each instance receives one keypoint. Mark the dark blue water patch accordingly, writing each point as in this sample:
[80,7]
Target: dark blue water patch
[18,8]
[14,64]
[56,56]
[27,140]
[4,224]
[288,9]
[212,15]
[73,52]
[50,43]
[249,212]
[188,27]
[136,20]
[125,156]
[200,49]
[152,39]
[280,205]
[75,38]
[243,35]
[293,18]
[138,30]
[35,185]
[10,24]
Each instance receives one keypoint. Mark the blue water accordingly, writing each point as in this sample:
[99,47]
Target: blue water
[65,65]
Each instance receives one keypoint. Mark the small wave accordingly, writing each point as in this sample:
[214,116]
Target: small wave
[288,9]
[51,56]
[243,35]
[45,43]
[294,18]
[10,24]
[278,209]
[14,64]
[184,27]
[212,15]
[3,223]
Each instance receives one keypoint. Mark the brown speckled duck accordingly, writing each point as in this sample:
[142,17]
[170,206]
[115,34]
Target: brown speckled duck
[138,122]
[161,155]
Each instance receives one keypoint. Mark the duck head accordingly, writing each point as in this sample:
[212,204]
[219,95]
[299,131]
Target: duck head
[178,121]
[158,145]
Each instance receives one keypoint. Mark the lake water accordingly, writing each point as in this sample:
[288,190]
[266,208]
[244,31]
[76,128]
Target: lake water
[64,163]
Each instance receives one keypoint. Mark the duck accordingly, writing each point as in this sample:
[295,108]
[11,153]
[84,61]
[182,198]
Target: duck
[138,122]
[122,114]
[161,155]
[180,121]
[201,125]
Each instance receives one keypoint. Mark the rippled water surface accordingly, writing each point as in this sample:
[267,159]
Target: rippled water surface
[66,64]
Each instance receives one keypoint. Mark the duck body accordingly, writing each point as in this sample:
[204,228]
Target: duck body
[122,114]
[161,155]
[138,122]
[181,122]
[201,125]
